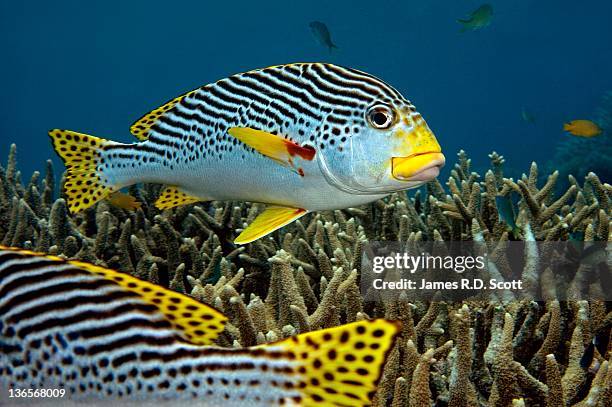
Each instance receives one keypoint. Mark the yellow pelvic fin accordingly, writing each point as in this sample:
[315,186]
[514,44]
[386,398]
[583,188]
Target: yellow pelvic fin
[195,322]
[81,154]
[140,128]
[172,197]
[124,201]
[275,147]
[274,217]
[340,366]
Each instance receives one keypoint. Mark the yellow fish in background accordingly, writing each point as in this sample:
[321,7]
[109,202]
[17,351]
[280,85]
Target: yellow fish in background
[96,334]
[582,128]
[299,137]
[124,201]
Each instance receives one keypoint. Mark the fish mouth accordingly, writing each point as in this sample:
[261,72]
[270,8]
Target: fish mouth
[420,167]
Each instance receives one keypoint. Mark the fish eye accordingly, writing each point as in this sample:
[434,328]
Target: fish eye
[380,116]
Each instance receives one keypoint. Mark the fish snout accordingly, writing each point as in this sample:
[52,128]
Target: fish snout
[420,157]
[422,167]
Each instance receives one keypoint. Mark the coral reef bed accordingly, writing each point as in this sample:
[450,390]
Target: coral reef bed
[306,276]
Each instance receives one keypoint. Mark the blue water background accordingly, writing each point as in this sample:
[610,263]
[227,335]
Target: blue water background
[96,66]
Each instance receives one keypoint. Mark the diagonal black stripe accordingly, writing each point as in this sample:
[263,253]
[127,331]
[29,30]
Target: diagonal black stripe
[303,106]
[361,83]
[52,290]
[323,97]
[70,303]
[273,94]
[137,322]
[129,341]
[23,267]
[374,81]
[59,322]
[34,279]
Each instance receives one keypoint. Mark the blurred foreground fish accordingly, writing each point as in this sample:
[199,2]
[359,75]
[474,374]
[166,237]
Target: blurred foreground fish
[300,137]
[100,334]
[479,18]
[321,33]
[582,128]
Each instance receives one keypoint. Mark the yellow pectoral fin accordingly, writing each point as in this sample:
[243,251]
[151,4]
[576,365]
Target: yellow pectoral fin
[274,217]
[172,197]
[272,146]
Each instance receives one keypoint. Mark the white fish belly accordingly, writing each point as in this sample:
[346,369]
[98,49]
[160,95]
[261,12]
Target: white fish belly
[256,178]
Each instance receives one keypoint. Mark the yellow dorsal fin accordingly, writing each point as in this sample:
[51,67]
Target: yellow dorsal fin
[274,217]
[279,149]
[172,197]
[340,366]
[140,128]
[197,323]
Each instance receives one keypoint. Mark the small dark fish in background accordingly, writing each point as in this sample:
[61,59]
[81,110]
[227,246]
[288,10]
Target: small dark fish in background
[506,212]
[479,18]
[321,33]
[587,362]
[527,116]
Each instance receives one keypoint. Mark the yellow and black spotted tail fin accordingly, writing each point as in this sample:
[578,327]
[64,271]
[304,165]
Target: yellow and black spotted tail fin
[81,154]
[341,366]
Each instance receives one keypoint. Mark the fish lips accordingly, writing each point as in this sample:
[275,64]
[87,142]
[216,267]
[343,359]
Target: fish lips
[421,167]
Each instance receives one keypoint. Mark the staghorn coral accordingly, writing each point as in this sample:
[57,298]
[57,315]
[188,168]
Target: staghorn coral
[306,276]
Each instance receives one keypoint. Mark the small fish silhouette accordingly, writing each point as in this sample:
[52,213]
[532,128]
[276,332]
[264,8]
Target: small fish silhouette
[321,33]
[479,18]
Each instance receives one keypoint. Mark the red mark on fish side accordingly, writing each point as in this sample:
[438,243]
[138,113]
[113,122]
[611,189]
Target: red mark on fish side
[301,172]
[306,152]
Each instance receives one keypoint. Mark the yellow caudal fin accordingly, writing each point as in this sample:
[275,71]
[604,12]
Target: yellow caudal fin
[172,197]
[274,217]
[279,149]
[140,128]
[81,154]
[340,366]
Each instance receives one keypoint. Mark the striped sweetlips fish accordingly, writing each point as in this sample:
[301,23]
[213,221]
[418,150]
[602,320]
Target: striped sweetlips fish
[99,334]
[299,137]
